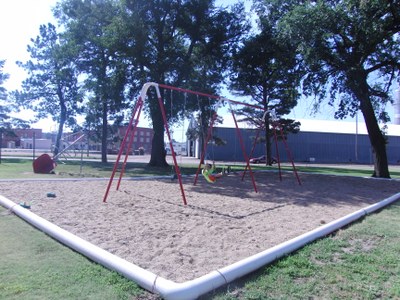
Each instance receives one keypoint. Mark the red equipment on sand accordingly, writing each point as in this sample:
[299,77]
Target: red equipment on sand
[44,164]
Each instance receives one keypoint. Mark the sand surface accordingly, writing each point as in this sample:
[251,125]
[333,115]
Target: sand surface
[146,223]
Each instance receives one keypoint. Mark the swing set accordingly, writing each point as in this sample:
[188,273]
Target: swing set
[133,123]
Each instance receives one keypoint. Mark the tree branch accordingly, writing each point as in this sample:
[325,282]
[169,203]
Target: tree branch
[383,64]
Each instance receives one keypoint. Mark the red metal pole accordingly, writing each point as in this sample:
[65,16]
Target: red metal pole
[119,153]
[178,172]
[244,151]
[130,143]
[210,128]
[252,150]
[290,156]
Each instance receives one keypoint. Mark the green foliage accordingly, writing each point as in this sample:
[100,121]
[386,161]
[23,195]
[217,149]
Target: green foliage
[185,44]
[264,69]
[338,37]
[3,78]
[94,28]
[123,44]
[348,51]
[52,87]
[6,121]
[52,83]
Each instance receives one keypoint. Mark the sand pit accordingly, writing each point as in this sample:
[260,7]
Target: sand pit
[146,223]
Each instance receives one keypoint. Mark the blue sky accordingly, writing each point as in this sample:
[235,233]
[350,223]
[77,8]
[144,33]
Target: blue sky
[20,21]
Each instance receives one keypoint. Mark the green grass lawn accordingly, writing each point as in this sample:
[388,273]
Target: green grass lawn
[34,266]
[22,168]
[358,262]
[394,173]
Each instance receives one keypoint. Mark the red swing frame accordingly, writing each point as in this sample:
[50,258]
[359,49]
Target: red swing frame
[133,123]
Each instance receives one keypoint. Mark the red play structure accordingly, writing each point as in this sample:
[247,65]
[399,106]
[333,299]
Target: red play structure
[44,164]
[130,134]
[276,129]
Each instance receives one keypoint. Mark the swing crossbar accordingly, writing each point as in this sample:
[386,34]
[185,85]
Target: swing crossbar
[209,96]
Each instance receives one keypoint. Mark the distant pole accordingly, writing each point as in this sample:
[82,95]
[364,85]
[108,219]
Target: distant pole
[80,169]
[356,141]
[33,144]
[1,144]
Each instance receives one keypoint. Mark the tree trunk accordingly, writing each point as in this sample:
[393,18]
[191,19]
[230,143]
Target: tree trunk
[59,137]
[104,134]
[377,140]
[63,117]
[359,86]
[158,152]
[268,160]
[268,150]
[204,124]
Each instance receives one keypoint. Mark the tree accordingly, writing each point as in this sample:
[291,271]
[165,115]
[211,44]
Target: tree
[181,43]
[93,27]
[351,54]
[265,69]
[123,44]
[4,108]
[7,123]
[51,88]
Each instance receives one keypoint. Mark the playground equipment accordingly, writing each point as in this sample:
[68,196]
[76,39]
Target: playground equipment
[276,128]
[133,123]
[25,205]
[211,174]
[238,133]
[44,164]
[68,144]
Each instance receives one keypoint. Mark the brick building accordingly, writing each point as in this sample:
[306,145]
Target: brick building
[13,140]
[142,140]
[141,144]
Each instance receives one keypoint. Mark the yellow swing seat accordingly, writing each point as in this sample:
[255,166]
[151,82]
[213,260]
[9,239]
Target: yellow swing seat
[206,175]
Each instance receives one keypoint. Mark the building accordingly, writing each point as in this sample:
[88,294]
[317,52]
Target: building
[34,143]
[396,106]
[142,141]
[19,138]
[305,146]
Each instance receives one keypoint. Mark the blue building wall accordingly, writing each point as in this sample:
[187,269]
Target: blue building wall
[304,146]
